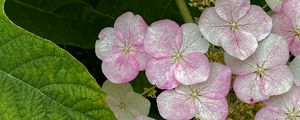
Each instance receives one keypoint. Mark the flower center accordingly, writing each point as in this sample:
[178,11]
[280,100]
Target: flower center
[127,49]
[122,105]
[194,93]
[297,32]
[234,26]
[293,115]
[260,71]
[177,56]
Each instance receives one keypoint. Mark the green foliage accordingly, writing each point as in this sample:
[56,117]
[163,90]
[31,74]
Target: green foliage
[40,81]
[78,22]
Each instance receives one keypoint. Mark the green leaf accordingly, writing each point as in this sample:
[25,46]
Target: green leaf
[78,22]
[40,81]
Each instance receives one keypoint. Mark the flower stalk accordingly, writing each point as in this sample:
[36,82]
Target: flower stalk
[184,11]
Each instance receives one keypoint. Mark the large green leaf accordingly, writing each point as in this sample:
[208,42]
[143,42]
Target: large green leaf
[78,22]
[40,81]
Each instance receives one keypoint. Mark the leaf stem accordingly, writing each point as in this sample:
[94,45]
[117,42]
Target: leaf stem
[185,13]
[148,90]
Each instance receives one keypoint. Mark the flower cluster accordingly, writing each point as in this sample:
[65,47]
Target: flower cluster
[256,49]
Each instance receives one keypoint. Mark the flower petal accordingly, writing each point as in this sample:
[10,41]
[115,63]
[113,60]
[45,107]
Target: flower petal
[133,28]
[275,5]
[193,68]
[272,51]
[212,26]
[282,25]
[117,91]
[108,43]
[295,67]
[257,22]
[212,109]
[143,118]
[120,68]
[239,44]
[174,106]
[276,80]
[137,104]
[240,67]
[161,73]
[267,114]
[193,40]
[246,88]
[232,10]
[294,46]
[141,56]
[163,38]
[291,9]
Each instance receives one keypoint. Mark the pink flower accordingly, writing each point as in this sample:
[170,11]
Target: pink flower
[177,54]
[275,5]
[287,24]
[121,48]
[295,67]
[206,100]
[282,107]
[263,74]
[236,26]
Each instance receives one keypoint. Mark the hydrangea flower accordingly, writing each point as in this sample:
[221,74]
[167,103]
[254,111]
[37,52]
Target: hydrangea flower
[282,107]
[144,118]
[287,24]
[275,5]
[177,54]
[121,48]
[206,100]
[235,25]
[295,67]
[124,102]
[263,74]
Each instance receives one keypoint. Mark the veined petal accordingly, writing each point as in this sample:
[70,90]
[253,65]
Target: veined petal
[133,28]
[141,56]
[108,43]
[239,44]
[291,9]
[240,67]
[174,106]
[218,83]
[272,51]
[282,25]
[117,91]
[257,22]
[232,10]
[212,26]
[193,40]
[160,72]
[295,67]
[275,5]
[212,109]
[267,114]
[294,46]
[120,68]
[143,118]
[163,38]
[192,68]
[276,80]
[137,104]
[246,88]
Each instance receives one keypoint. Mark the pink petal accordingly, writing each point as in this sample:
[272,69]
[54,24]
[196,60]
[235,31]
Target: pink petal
[133,28]
[240,67]
[295,67]
[275,5]
[282,25]
[193,68]
[212,26]
[276,80]
[143,118]
[246,88]
[193,40]
[295,46]
[161,73]
[267,114]
[218,83]
[212,109]
[272,51]
[291,9]
[232,10]
[141,56]
[256,22]
[108,43]
[174,106]
[163,38]
[120,68]
[239,44]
